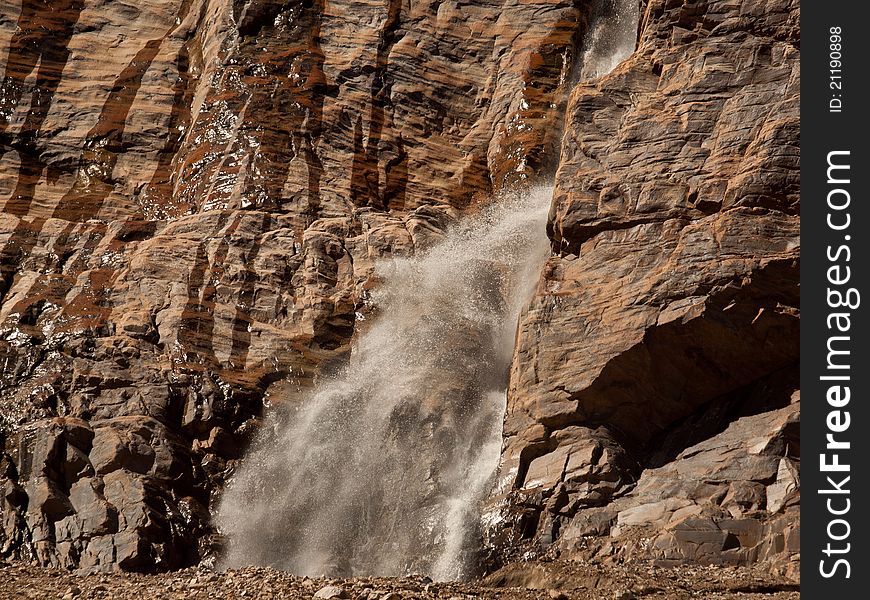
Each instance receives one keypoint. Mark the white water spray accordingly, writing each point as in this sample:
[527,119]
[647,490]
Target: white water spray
[611,38]
[383,469]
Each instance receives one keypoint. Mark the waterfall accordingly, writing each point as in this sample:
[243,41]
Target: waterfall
[610,39]
[382,469]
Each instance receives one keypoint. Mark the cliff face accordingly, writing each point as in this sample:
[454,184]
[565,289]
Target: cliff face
[653,390]
[194,192]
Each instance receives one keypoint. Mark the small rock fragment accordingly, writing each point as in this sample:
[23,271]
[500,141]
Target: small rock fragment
[330,591]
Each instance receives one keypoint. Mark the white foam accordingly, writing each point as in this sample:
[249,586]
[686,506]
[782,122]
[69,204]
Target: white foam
[382,469]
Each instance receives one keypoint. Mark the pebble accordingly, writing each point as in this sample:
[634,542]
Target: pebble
[601,582]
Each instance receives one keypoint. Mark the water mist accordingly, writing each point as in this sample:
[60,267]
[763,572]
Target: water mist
[381,471]
[610,39]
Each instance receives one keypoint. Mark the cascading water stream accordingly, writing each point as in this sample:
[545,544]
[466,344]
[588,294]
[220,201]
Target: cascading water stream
[382,470]
[611,37]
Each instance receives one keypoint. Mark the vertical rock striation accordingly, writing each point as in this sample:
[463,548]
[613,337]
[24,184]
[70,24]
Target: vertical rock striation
[193,193]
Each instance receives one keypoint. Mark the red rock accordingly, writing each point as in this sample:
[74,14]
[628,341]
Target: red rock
[676,285]
[194,193]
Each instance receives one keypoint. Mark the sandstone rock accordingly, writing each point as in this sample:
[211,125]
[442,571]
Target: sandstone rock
[96,515]
[110,452]
[785,488]
[331,591]
[47,498]
[221,442]
[708,505]
[672,307]
[194,194]
[547,470]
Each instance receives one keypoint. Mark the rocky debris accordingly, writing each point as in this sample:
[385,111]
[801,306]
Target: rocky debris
[733,498]
[673,300]
[524,581]
[331,591]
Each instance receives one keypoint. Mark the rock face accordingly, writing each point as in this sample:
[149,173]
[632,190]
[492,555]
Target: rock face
[672,307]
[194,192]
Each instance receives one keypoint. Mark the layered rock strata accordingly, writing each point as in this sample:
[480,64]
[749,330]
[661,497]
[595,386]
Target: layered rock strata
[672,298]
[193,194]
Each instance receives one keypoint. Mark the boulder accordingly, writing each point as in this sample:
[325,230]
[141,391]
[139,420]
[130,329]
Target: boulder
[331,591]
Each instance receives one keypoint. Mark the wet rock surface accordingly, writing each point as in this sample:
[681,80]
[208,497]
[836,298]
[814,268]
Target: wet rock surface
[313,108]
[528,581]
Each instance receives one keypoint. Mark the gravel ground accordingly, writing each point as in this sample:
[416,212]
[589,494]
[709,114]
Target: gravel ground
[557,580]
